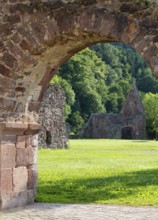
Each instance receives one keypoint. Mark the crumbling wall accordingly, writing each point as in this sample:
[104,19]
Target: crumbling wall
[51,117]
[103,125]
[132,116]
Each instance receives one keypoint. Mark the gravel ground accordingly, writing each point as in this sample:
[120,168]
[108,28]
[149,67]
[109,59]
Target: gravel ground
[39,211]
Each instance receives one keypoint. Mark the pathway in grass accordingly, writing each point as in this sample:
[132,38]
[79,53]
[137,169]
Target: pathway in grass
[100,172]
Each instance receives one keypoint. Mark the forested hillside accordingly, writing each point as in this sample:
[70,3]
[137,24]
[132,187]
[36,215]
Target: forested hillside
[98,79]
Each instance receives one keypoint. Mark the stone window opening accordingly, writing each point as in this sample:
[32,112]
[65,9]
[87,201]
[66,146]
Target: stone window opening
[48,138]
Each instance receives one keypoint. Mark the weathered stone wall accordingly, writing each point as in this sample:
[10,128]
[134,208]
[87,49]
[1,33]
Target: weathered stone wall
[36,37]
[51,117]
[102,125]
[132,115]
[18,171]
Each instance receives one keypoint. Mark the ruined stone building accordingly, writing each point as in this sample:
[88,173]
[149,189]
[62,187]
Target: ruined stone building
[51,117]
[130,123]
[36,38]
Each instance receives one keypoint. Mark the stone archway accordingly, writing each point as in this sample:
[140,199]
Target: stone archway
[35,39]
[126,133]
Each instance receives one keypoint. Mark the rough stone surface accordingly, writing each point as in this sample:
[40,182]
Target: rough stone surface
[18,165]
[8,153]
[20,179]
[133,105]
[17,199]
[6,181]
[32,178]
[20,142]
[130,123]
[51,117]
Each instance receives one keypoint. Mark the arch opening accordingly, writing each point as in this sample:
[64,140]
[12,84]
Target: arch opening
[31,35]
[127,133]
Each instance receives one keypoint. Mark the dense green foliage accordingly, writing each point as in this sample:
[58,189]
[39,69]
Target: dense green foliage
[98,79]
[100,171]
[85,73]
[150,102]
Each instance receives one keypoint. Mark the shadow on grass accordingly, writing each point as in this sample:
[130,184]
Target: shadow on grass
[96,189]
[139,141]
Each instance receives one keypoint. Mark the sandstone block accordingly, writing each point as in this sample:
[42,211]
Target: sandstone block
[4,71]
[33,129]
[7,92]
[7,104]
[20,142]
[8,83]
[20,179]
[27,141]
[21,157]
[8,139]
[34,106]
[8,153]
[107,23]
[31,41]
[9,60]
[34,141]
[22,198]
[39,31]
[30,156]
[25,157]
[16,38]
[5,201]
[18,54]
[6,181]
[24,45]
[4,28]
[17,199]
[53,30]
[143,44]
[150,52]
[11,128]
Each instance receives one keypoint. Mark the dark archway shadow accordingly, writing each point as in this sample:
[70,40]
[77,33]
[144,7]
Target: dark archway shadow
[95,189]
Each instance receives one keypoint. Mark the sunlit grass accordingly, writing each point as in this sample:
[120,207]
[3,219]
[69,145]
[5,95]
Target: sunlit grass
[100,171]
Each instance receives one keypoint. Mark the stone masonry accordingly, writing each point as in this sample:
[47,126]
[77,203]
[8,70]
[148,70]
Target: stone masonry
[36,38]
[130,123]
[51,117]
[18,150]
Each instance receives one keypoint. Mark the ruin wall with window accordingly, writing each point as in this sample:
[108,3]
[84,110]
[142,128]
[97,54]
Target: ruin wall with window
[130,123]
[51,117]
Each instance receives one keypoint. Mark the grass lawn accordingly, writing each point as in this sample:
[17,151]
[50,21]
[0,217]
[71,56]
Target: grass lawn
[100,172]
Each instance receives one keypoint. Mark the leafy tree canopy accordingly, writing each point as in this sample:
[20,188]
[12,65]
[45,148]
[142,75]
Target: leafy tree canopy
[98,79]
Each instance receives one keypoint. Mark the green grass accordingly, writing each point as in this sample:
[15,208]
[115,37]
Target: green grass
[100,172]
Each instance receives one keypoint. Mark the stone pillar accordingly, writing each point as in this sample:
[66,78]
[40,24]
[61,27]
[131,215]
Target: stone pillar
[18,165]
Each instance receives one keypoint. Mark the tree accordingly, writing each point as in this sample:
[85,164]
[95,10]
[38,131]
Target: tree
[86,73]
[98,79]
[150,102]
[148,83]
[76,121]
